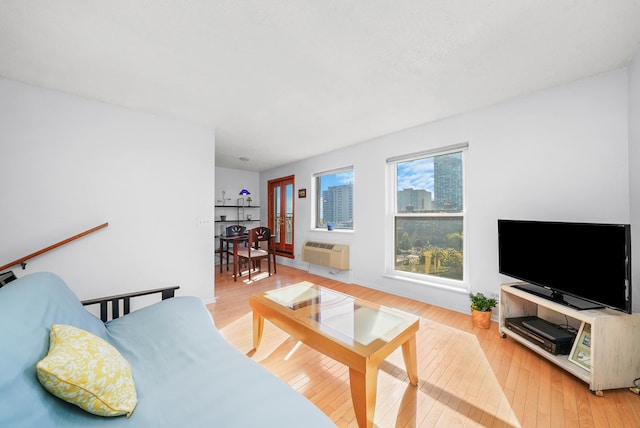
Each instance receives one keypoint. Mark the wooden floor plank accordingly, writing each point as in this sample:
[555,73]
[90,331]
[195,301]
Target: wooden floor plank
[468,377]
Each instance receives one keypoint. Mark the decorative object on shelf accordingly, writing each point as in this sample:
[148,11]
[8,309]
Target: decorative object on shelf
[223,200]
[248,216]
[581,351]
[223,218]
[249,201]
[302,193]
[481,309]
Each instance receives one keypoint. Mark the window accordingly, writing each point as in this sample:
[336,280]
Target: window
[428,215]
[334,198]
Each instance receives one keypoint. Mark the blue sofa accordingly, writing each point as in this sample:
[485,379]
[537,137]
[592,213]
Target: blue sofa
[186,374]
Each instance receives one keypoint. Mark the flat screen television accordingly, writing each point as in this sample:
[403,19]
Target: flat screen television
[582,265]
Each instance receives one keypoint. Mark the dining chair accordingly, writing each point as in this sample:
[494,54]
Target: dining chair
[231,231]
[260,246]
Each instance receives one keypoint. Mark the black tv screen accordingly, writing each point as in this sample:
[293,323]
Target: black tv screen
[582,265]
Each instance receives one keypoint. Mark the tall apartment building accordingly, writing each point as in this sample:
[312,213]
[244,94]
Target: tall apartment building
[447,174]
[337,205]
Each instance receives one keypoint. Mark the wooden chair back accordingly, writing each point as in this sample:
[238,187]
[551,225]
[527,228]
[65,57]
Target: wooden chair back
[235,230]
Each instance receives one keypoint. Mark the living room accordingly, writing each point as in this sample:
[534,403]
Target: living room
[551,155]
[567,152]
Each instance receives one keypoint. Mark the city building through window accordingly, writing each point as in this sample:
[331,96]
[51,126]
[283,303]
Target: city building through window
[334,199]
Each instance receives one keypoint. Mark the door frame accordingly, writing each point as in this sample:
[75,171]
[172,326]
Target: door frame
[282,248]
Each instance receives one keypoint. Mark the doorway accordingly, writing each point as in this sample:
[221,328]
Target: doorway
[282,214]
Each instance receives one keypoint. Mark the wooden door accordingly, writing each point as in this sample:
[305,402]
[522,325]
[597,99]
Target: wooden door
[281,214]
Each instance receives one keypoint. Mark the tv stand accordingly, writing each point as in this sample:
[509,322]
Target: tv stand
[615,336]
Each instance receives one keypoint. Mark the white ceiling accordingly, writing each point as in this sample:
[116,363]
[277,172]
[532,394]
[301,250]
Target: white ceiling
[282,80]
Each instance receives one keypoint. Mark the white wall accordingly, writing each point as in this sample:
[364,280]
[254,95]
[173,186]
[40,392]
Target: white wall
[70,164]
[560,154]
[634,167]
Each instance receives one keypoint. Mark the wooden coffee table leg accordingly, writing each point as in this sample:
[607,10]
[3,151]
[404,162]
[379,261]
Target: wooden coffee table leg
[258,328]
[410,357]
[363,394]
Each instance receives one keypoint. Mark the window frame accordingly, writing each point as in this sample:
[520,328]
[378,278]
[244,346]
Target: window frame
[462,285]
[317,221]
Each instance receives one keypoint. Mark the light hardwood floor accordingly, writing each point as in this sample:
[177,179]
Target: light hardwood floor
[468,376]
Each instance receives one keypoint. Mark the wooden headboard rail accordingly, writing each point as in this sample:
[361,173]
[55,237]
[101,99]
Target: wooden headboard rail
[22,261]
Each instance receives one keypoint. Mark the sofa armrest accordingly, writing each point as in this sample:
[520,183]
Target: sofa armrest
[167,293]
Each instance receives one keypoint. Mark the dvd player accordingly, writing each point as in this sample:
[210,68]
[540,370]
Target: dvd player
[543,333]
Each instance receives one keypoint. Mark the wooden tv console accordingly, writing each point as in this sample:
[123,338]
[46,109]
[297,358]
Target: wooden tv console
[615,337]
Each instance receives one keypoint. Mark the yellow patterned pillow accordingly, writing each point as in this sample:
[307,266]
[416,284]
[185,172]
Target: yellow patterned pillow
[85,370]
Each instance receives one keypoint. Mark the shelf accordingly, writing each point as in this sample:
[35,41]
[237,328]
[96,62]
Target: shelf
[559,360]
[236,221]
[236,206]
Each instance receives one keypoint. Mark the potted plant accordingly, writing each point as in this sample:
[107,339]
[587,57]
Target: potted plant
[481,309]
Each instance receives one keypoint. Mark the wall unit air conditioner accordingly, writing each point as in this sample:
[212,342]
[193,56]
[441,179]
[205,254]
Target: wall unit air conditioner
[334,256]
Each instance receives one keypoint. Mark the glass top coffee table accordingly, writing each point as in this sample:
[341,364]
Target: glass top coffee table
[355,332]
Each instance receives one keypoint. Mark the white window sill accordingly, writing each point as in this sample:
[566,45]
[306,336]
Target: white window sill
[462,288]
[342,231]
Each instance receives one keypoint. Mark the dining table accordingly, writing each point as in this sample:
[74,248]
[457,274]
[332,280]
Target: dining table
[224,248]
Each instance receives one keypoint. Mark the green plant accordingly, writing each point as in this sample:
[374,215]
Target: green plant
[482,303]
